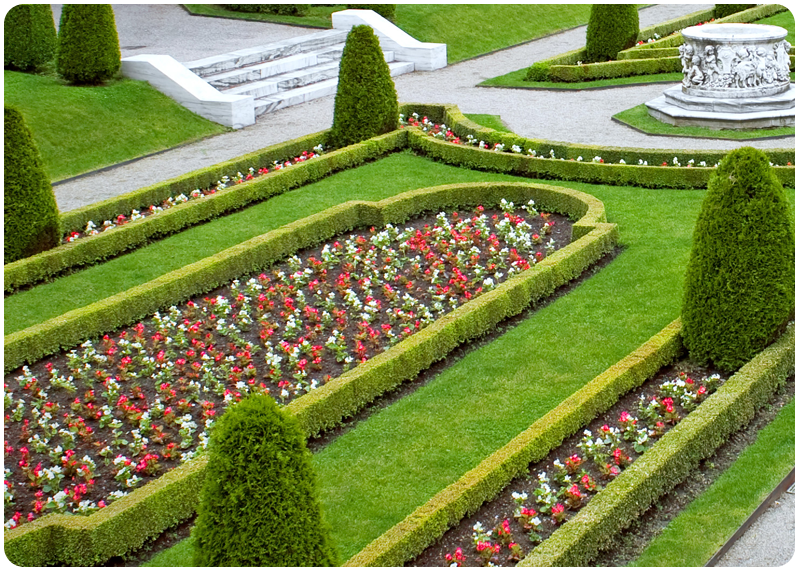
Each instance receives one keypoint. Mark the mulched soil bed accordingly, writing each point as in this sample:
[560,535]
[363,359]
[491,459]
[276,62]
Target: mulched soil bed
[632,541]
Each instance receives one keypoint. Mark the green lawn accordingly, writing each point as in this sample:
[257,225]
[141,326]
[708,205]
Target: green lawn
[318,16]
[490,121]
[80,129]
[639,118]
[692,538]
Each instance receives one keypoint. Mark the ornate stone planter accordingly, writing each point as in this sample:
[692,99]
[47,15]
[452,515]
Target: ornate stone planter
[735,76]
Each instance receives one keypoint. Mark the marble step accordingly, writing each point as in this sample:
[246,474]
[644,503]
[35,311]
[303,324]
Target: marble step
[269,103]
[292,79]
[250,56]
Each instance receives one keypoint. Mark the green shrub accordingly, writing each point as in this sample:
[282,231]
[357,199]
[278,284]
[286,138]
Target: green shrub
[366,100]
[385,10]
[30,212]
[612,28]
[538,72]
[739,287]
[722,10]
[29,36]
[259,504]
[88,46]
[282,9]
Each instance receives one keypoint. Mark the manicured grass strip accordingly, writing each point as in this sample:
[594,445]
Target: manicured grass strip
[639,118]
[394,174]
[785,20]
[318,16]
[692,538]
[490,121]
[79,129]
[516,79]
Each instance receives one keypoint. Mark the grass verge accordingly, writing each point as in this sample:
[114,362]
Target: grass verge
[692,538]
[638,118]
[490,121]
[79,129]
[318,16]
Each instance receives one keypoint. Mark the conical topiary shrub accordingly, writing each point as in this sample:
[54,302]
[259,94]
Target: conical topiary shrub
[29,37]
[739,287]
[32,222]
[366,100]
[259,505]
[612,28]
[88,45]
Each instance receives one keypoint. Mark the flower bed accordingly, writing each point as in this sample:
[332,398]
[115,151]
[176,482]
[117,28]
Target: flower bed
[87,426]
[557,487]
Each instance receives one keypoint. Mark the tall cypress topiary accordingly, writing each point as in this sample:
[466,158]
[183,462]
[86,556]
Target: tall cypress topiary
[29,36]
[366,100]
[30,211]
[612,28]
[739,287]
[259,505]
[88,45]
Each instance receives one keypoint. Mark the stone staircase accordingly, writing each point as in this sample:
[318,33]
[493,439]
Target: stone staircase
[284,73]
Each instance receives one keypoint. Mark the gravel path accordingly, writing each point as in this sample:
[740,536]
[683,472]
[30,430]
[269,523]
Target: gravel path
[770,540]
[581,117]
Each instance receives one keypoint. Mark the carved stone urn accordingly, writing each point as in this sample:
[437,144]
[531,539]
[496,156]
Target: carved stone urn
[735,76]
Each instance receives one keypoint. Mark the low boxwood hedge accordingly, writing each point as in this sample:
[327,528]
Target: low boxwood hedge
[446,509]
[611,69]
[130,521]
[92,249]
[669,461]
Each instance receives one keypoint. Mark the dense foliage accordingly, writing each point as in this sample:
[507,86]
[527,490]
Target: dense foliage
[366,99]
[722,10]
[30,211]
[29,36]
[612,28]
[88,45]
[739,287]
[282,9]
[259,503]
[385,10]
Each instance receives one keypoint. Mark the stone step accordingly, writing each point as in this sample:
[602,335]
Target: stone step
[269,103]
[250,56]
[292,79]
[262,70]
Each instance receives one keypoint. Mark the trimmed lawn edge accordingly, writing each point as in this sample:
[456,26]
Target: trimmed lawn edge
[147,511]
[669,461]
[428,523]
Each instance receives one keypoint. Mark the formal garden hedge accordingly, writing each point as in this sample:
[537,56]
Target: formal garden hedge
[577,165]
[662,467]
[640,59]
[127,523]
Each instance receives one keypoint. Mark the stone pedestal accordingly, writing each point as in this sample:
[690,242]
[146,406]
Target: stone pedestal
[735,76]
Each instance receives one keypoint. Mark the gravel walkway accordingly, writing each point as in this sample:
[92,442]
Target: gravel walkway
[580,117]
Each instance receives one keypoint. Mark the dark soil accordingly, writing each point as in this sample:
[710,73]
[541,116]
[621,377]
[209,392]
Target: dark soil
[629,544]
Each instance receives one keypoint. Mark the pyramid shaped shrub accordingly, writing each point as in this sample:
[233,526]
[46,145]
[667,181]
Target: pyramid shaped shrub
[612,28]
[259,505]
[739,287]
[366,99]
[88,45]
[29,37]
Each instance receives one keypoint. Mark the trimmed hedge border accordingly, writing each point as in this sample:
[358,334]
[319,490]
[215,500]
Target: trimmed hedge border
[669,461]
[608,172]
[642,59]
[127,523]
[92,249]
[428,523]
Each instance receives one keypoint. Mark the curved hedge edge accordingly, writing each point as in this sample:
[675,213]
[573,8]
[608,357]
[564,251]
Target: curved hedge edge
[428,523]
[116,529]
[669,461]
[612,69]
[89,250]
[123,526]
[745,16]
[609,172]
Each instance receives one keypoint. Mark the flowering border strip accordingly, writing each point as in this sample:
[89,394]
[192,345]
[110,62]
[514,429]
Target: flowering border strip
[619,166]
[91,249]
[147,511]
[669,461]
[428,523]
